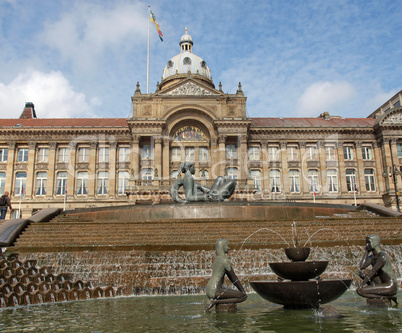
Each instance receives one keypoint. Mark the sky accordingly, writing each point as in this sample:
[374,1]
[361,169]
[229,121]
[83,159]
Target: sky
[294,58]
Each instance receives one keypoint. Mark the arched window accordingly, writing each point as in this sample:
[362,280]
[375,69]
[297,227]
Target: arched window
[40,185]
[275,181]
[369,178]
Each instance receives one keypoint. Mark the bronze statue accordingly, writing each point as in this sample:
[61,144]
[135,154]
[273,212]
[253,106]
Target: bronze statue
[216,292]
[380,281]
[221,189]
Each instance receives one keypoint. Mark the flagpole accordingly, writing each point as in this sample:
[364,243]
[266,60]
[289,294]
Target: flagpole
[354,189]
[149,8]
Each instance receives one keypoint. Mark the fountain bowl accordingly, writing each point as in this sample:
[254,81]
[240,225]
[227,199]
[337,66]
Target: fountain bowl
[301,294]
[299,270]
[297,253]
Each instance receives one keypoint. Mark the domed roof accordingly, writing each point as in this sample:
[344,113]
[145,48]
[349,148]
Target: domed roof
[186,61]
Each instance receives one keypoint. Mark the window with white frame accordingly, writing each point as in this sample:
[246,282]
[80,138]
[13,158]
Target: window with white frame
[82,183]
[369,179]
[3,154]
[313,180]
[398,147]
[203,154]
[232,173]
[176,154]
[2,182]
[174,174]
[124,154]
[43,155]
[189,154]
[255,175]
[275,181]
[103,182]
[311,152]
[254,153]
[22,155]
[332,180]
[147,152]
[83,154]
[123,178]
[348,153]
[147,174]
[231,151]
[61,183]
[103,155]
[63,155]
[351,180]
[330,153]
[293,153]
[20,183]
[294,180]
[273,154]
[40,185]
[367,152]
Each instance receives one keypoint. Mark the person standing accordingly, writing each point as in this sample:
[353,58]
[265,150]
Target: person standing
[4,203]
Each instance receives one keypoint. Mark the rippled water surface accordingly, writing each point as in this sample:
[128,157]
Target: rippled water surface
[186,314]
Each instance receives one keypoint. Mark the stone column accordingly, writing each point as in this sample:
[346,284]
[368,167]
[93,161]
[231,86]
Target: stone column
[323,166]
[243,157]
[285,169]
[51,170]
[394,152]
[135,155]
[165,172]
[220,167]
[304,170]
[71,170]
[342,169]
[30,185]
[265,167]
[10,176]
[112,169]
[214,153]
[158,156]
[92,172]
[387,160]
[360,181]
[379,169]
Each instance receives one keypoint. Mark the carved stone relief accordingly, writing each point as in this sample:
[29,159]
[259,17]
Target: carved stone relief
[189,89]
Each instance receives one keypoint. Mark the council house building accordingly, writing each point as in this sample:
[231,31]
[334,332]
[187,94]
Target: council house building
[77,163]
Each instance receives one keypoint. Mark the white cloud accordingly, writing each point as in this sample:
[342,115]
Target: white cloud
[51,94]
[322,96]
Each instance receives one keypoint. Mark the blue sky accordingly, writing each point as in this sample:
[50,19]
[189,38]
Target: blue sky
[294,58]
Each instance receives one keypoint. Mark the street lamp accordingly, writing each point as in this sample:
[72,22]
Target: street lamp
[393,172]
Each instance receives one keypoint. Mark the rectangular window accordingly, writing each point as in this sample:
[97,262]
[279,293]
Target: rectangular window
[3,154]
[40,185]
[82,183]
[256,176]
[273,153]
[103,182]
[2,182]
[189,154]
[22,155]
[20,183]
[293,153]
[83,155]
[43,155]
[123,182]
[369,178]
[330,153]
[232,173]
[275,181]
[348,153]
[294,180]
[103,155]
[203,154]
[147,176]
[174,174]
[351,180]
[61,183]
[367,153]
[332,180]
[124,154]
[399,148]
[63,155]
[313,180]
[254,153]
[231,151]
[311,152]
[147,152]
[176,154]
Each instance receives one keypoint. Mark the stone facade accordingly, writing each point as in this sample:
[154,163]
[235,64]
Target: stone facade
[76,163]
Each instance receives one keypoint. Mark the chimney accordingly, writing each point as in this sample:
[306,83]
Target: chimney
[29,111]
[325,115]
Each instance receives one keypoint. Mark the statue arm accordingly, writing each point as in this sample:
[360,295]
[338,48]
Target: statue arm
[202,188]
[235,280]
[380,262]
[366,260]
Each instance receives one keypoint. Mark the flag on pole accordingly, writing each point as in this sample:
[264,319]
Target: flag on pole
[153,20]
[22,193]
[355,186]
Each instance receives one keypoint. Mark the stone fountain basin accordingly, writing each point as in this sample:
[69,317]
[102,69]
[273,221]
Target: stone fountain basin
[301,294]
[299,270]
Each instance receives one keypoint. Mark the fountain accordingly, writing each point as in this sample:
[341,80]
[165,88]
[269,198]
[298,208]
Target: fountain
[295,287]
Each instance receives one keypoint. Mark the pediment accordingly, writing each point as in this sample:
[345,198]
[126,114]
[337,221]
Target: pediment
[392,117]
[190,88]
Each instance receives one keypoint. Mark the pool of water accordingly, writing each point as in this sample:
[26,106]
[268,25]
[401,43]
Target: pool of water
[186,314]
